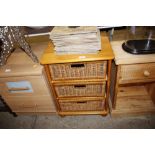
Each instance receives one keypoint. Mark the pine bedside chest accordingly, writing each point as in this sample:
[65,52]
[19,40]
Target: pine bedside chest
[133,88]
[80,83]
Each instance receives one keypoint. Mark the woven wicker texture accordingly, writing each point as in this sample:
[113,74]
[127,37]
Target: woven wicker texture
[81,90]
[79,70]
[82,106]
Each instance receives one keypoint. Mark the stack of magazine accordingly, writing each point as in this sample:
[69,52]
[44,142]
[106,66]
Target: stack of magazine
[76,39]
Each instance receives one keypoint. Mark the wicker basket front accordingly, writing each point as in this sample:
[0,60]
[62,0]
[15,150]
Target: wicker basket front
[82,105]
[81,90]
[79,70]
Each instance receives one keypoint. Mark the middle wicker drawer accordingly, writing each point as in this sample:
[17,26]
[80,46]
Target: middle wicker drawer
[91,89]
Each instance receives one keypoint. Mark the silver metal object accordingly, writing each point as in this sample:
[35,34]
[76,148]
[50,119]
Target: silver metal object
[12,36]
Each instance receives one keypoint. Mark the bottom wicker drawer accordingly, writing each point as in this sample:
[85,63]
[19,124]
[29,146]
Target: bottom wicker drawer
[82,105]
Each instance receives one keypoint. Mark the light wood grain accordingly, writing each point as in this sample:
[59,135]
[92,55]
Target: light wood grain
[137,73]
[30,104]
[133,72]
[20,67]
[82,81]
[20,64]
[104,113]
[37,83]
[122,57]
[133,99]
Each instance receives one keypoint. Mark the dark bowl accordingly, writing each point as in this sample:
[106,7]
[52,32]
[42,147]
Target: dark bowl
[144,46]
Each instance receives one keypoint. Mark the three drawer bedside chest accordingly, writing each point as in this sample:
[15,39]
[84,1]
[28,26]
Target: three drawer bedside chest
[80,82]
[133,90]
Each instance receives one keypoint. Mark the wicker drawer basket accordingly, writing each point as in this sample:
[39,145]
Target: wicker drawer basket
[79,70]
[80,90]
[81,105]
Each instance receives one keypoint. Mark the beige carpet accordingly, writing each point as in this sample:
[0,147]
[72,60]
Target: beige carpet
[7,121]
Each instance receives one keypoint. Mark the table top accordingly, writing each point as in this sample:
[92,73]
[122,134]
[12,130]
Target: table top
[50,57]
[20,64]
[122,57]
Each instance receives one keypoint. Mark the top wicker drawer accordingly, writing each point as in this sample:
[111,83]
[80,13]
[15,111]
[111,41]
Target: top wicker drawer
[79,70]
[137,73]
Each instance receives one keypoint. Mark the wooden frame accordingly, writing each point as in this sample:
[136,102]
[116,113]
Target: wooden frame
[133,97]
[49,57]
[52,87]
[94,81]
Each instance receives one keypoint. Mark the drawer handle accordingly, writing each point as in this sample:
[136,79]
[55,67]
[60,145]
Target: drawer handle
[79,86]
[18,89]
[77,65]
[146,73]
[81,102]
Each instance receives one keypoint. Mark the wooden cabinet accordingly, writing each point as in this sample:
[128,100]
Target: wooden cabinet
[133,87]
[80,83]
[24,85]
